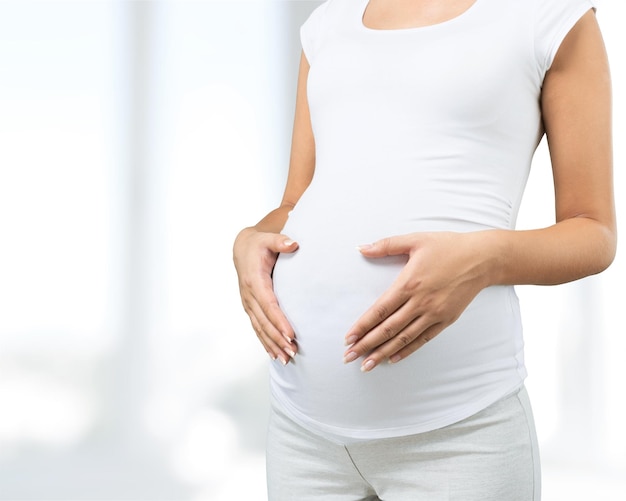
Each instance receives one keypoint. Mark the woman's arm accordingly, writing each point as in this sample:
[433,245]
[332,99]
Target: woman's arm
[446,271]
[256,248]
[576,108]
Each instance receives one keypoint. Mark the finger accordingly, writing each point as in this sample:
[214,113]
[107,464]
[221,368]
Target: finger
[264,290]
[404,338]
[415,337]
[274,322]
[386,305]
[261,304]
[280,243]
[274,342]
[391,246]
[270,347]
[428,335]
[382,333]
[264,296]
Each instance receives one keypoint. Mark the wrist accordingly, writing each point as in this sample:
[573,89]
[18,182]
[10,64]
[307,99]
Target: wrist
[492,256]
[243,235]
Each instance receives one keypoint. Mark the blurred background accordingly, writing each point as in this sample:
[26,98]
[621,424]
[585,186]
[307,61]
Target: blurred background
[136,139]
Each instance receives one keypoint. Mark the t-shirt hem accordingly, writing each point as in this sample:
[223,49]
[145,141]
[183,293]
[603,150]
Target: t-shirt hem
[344,436]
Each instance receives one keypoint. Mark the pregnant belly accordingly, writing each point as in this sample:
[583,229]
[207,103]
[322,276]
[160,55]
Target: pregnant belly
[325,286]
[323,289]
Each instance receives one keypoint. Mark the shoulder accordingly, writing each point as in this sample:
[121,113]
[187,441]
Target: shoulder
[328,9]
[552,21]
[318,22]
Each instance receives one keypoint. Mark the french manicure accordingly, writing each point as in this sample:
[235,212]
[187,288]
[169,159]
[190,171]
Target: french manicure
[351,356]
[351,339]
[368,366]
[289,351]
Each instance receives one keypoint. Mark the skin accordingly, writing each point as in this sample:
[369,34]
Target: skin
[445,270]
[256,248]
[400,14]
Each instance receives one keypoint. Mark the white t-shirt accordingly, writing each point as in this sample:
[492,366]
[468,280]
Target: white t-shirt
[422,129]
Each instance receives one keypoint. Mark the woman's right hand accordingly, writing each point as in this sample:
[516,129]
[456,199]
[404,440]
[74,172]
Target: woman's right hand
[254,254]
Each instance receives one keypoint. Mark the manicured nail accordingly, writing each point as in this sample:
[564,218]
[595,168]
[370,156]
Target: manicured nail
[368,366]
[284,360]
[363,247]
[289,351]
[287,338]
[351,339]
[351,356]
[395,358]
[289,243]
[272,356]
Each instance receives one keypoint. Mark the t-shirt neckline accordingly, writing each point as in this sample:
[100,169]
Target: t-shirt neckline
[443,24]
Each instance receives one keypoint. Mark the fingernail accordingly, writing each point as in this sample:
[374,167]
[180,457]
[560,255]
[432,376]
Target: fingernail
[289,243]
[368,366]
[290,351]
[272,356]
[395,358]
[363,247]
[351,356]
[351,339]
[283,360]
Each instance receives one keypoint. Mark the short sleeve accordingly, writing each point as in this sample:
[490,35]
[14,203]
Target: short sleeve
[310,31]
[553,21]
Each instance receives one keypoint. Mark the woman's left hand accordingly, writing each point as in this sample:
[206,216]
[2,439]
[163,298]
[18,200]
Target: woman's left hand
[444,272]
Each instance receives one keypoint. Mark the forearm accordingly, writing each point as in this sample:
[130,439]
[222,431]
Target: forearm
[567,251]
[274,221]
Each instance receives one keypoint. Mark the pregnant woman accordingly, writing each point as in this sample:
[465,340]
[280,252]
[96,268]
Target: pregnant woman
[382,287]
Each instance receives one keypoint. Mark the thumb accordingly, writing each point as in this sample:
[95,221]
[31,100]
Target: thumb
[390,246]
[282,243]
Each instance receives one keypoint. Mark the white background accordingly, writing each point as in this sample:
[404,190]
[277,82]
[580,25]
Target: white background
[136,139]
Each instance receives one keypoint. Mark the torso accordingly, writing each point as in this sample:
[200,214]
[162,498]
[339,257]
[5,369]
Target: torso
[427,128]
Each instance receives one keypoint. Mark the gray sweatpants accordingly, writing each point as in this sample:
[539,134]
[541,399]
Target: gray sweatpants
[491,456]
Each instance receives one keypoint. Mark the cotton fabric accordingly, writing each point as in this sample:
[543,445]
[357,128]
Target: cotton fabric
[423,129]
[491,456]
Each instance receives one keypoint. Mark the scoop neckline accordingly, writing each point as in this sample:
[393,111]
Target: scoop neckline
[453,20]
